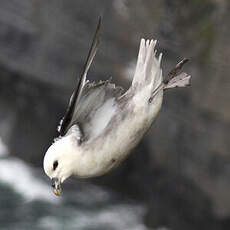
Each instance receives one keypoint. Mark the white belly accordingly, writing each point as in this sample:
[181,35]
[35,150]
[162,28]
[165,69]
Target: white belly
[108,151]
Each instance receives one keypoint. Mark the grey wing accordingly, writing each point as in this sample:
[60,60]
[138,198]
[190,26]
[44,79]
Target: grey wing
[66,120]
[97,105]
[91,105]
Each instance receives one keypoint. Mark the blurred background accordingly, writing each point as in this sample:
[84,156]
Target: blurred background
[179,175]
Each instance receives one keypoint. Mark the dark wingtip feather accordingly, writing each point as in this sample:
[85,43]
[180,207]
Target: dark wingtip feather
[77,92]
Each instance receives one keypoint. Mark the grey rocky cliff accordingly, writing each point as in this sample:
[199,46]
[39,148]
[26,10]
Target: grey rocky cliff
[43,45]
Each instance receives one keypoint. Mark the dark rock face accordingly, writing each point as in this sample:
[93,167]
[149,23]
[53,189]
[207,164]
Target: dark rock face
[25,104]
[181,168]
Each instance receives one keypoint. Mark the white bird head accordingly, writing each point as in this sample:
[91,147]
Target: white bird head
[58,162]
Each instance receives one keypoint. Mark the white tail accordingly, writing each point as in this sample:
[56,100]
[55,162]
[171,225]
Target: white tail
[148,69]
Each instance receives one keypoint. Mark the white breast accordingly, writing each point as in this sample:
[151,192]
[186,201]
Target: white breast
[109,150]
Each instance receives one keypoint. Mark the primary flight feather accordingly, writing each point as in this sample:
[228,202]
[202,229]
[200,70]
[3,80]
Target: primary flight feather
[103,123]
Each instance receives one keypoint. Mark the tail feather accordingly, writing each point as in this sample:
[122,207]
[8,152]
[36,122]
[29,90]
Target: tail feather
[149,73]
[148,69]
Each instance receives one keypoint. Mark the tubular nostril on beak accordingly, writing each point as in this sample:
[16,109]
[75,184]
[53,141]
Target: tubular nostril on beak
[54,182]
[56,186]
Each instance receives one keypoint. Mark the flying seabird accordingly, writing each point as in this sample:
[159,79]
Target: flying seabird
[103,123]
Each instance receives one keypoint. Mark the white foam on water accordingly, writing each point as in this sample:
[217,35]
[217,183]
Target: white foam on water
[121,216]
[20,176]
[49,222]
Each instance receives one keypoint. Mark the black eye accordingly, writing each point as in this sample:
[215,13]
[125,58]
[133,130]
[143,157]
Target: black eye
[55,165]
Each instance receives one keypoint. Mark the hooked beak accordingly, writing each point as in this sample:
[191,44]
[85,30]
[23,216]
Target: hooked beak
[56,184]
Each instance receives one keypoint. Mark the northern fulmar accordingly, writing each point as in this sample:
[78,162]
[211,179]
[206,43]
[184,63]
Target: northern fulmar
[102,123]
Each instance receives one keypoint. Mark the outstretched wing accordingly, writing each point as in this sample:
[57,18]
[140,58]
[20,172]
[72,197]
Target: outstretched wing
[66,120]
[96,107]
[91,105]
